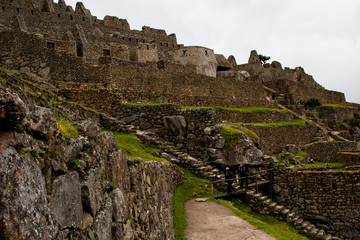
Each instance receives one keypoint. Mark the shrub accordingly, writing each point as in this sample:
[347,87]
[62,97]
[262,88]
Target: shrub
[312,102]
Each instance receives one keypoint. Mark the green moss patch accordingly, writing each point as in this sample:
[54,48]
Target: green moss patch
[134,148]
[249,110]
[246,131]
[295,122]
[67,129]
[231,136]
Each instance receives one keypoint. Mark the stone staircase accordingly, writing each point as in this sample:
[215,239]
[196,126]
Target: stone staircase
[328,135]
[170,153]
[266,206]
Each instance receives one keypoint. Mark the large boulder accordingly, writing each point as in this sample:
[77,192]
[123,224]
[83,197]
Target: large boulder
[175,125]
[41,121]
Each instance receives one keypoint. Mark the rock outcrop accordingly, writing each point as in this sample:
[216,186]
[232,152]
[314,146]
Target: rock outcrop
[54,187]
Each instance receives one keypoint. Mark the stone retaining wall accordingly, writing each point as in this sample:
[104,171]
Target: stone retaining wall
[236,117]
[274,139]
[330,200]
[327,151]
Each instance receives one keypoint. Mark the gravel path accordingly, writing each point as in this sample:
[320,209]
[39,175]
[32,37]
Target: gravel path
[212,221]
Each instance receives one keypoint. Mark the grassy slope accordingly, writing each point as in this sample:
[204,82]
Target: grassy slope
[134,148]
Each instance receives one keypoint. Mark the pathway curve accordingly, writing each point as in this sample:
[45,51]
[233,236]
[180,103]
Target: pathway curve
[212,221]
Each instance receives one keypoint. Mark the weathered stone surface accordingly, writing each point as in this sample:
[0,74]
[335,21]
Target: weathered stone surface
[12,109]
[91,193]
[254,57]
[175,124]
[41,121]
[24,212]
[102,223]
[66,201]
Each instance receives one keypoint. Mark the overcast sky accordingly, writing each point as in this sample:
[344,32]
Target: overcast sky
[322,36]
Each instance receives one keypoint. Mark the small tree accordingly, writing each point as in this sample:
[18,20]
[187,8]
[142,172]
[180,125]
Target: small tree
[263,59]
[312,102]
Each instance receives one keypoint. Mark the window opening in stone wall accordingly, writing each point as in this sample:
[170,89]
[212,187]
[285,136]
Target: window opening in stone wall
[143,40]
[129,39]
[79,50]
[161,44]
[167,44]
[18,10]
[147,47]
[71,17]
[32,12]
[60,6]
[173,45]
[123,38]
[50,45]
[106,52]
[59,15]
[184,52]
[3,8]
[206,53]
[137,40]
[83,18]
[95,20]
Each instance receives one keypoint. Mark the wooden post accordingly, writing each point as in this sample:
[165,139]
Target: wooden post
[271,183]
[246,186]
[212,189]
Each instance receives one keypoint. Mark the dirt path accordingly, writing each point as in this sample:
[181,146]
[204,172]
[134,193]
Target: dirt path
[212,221]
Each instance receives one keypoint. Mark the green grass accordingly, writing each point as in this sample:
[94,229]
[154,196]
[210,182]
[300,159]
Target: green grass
[191,187]
[295,122]
[333,165]
[336,105]
[247,132]
[274,227]
[68,129]
[231,136]
[250,110]
[91,110]
[134,148]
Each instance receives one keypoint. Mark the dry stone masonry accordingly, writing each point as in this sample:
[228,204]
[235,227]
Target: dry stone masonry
[61,63]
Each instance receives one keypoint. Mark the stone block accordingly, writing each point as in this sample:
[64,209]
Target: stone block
[66,201]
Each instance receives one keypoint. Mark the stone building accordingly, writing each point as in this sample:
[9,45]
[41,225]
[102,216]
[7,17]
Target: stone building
[203,58]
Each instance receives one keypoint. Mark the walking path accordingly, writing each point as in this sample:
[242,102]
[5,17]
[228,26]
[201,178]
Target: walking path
[212,221]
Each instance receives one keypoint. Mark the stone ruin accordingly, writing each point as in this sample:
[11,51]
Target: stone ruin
[66,54]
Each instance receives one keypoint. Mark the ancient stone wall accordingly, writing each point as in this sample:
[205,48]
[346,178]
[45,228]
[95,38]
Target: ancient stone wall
[79,187]
[236,117]
[327,151]
[327,199]
[295,91]
[339,114]
[274,139]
